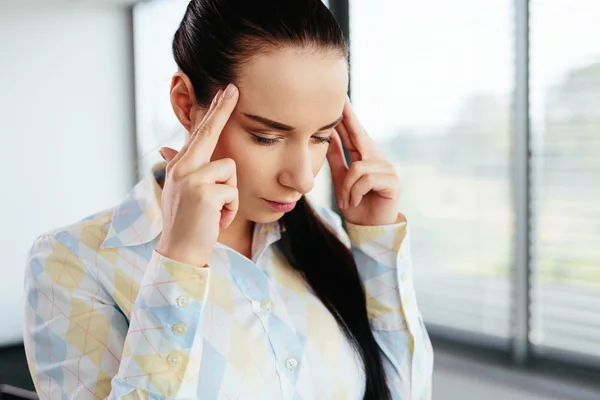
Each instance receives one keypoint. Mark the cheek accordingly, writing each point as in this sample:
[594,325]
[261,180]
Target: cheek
[318,157]
[254,164]
[231,145]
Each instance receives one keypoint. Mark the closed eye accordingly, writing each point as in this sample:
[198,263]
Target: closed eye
[271,141]
[263,140]
[320,139]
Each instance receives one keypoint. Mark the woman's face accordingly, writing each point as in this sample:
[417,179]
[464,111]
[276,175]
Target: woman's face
[278,135]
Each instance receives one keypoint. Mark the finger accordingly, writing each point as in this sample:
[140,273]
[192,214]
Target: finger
[384,184]
[189,140]
[347,142]
[221,171]
[227,199]
[336,158]
[212,107]
[168,153]
[357,171]
[356,132]
[207,135]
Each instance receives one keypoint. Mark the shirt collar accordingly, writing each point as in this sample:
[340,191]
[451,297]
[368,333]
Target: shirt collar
[138,218]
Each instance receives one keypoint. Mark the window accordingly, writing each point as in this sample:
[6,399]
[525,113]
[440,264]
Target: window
[565,142]
[155,24]
[435,92]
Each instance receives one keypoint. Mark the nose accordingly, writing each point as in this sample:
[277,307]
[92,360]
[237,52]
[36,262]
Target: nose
[297,170]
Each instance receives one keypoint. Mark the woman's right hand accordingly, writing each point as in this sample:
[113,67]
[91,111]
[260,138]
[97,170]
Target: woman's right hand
[199,196]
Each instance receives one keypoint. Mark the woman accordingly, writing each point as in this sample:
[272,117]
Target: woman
[214,278]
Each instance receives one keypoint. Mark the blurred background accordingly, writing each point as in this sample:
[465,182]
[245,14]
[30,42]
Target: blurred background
[490,110]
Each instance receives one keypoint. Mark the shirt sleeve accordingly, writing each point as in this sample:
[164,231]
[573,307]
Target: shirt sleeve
[79,344]
[383,259]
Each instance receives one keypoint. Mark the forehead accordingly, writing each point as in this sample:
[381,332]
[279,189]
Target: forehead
[302,88]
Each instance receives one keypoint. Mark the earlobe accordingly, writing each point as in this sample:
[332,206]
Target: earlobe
[183,99]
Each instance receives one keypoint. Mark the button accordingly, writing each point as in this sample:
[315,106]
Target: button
[266,305]
[291,364]
[179,329]
[183,301]
[173,360]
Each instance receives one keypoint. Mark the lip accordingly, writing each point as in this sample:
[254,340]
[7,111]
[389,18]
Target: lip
[280,207]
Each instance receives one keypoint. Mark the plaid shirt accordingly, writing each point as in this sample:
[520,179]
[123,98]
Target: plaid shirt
[106,316]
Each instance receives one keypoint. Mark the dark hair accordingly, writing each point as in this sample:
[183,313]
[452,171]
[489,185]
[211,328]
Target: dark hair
[215,39]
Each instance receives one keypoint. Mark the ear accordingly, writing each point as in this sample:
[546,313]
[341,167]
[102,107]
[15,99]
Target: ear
[183,100]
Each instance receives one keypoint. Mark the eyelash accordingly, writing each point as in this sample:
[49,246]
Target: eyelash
[270,142]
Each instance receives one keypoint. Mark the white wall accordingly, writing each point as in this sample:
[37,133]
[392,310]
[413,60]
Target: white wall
[66,126]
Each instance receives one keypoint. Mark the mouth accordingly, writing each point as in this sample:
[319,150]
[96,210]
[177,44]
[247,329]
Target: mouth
[281,206]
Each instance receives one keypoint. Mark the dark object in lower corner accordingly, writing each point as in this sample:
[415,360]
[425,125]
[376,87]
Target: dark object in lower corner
[8,392]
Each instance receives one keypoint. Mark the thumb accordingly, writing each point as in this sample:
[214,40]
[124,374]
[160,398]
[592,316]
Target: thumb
[167,153]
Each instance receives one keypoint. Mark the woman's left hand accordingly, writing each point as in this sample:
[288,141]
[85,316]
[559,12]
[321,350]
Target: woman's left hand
[368,191]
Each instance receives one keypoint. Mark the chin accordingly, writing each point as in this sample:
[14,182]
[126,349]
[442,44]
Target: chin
[265,217]
[260,212]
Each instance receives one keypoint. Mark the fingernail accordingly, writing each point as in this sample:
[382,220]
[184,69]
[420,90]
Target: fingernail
[229,91]
[218,95]
[342,204]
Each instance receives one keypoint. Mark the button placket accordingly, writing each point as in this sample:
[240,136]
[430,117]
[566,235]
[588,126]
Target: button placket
[256,285]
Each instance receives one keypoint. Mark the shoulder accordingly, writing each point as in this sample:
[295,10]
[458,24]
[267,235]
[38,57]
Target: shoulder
[136,220]
[78,239]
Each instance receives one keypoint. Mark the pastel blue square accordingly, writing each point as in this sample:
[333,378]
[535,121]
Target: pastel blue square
[70,241]
[126,215]
[368,268]
[211,372]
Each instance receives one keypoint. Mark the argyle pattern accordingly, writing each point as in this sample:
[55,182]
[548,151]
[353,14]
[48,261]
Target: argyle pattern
[107,317]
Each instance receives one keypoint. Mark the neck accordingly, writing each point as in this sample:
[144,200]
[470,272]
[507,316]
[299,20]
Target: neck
[238,236]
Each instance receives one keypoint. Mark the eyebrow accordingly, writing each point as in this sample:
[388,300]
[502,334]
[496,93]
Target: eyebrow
[283,127]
